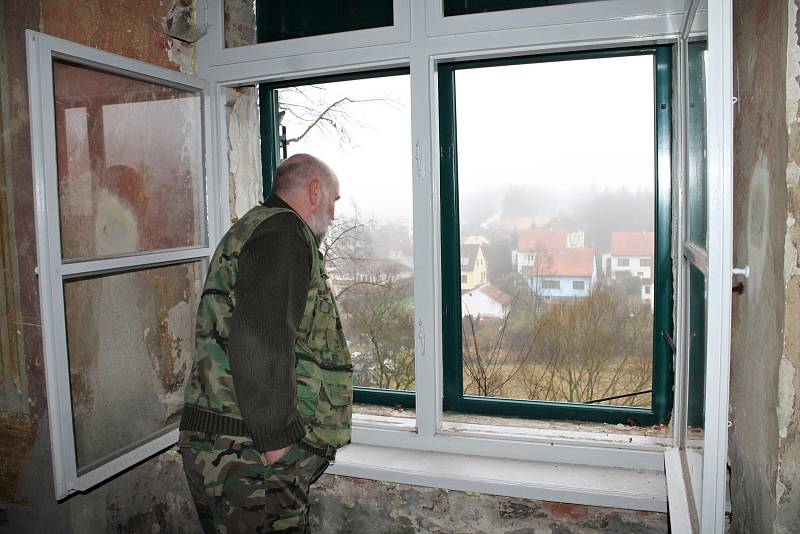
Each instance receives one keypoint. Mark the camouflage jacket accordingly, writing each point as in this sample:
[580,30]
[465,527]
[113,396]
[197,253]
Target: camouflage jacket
[323,368]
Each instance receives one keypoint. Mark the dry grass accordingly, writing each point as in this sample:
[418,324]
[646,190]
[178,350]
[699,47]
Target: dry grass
[536,381]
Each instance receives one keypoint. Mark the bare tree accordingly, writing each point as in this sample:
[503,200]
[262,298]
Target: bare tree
[491,357]
[310,109]
[380,320]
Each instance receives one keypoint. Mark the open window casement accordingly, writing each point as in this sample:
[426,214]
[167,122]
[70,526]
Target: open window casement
[120,162]
[127,215]
[696,467]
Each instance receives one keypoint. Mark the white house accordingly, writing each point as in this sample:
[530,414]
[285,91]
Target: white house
[485,301]
[631,255]
[567,272]
[537,239]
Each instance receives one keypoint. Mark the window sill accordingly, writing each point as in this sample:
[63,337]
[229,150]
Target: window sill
[615,487]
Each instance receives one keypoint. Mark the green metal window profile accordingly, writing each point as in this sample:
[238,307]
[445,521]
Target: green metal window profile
[271,157]
[454,398]
[468,7]
[278,20]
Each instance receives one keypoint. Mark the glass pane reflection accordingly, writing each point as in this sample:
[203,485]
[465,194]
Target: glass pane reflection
[129,341]
[130,172]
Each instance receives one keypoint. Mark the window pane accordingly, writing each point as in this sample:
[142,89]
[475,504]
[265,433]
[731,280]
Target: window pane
[556,184]
[262,21]
[697,351]
[365,137]
[465,7]
[130,344]
[696,141]
[130,171]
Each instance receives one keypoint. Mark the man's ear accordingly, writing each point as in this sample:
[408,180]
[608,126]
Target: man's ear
[314,192]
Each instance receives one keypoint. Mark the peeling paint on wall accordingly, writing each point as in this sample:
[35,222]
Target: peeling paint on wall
[240,23]
[786,393]
[182,18]
[791,261]
[244,150]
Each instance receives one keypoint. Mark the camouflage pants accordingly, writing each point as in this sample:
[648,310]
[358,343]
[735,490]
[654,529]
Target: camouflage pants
[235,490]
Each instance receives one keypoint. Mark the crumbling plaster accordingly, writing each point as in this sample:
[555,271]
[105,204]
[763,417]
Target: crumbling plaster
[764,442]
[131,28]
[759,229]
[345,505]
[788,476]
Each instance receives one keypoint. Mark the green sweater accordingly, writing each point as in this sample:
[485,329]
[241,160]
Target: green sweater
[271,290]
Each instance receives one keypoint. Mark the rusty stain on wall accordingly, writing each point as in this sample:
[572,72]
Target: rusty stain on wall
[18,188]
[129,27]
[10,338]
[17,434]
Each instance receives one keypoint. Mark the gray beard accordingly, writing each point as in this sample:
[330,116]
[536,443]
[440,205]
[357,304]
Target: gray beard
[319,228]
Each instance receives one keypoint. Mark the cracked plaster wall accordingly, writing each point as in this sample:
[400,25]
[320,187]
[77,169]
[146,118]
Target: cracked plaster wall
[154,493]
[153,497]
[764,448]
[788,475]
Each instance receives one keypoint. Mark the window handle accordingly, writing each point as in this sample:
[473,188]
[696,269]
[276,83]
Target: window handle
[743,272]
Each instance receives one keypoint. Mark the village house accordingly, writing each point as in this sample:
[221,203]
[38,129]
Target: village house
[631,255]
[563,273]
[474,270]
[487,300]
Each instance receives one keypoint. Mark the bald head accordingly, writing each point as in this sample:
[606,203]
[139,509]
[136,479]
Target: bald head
[296,172]
[310,187]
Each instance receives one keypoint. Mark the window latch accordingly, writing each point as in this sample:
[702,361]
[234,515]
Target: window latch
[743,272]
[669,340]
[421,337]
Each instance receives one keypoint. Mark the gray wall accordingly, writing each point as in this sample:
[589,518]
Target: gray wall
[764,449]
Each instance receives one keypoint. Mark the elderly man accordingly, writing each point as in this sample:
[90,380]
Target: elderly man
[269,399]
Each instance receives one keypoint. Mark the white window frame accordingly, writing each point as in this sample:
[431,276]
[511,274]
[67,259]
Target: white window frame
[53,271]
[381,444]
[570,465]
[218,54]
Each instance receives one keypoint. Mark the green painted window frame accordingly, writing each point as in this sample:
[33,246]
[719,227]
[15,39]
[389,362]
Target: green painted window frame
[697,235]
[270,158]
[454,399]
[469,7]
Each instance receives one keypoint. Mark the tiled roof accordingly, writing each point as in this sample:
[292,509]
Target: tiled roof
[496,294]
[632,243]
[578,261]
[542,239]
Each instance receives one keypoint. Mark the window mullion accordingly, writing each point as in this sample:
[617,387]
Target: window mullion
[425,288]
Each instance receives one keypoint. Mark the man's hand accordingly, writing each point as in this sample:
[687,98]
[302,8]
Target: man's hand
[274,456]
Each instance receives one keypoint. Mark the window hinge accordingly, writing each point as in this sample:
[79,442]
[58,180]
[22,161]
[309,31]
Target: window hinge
[421,337]
[418,158]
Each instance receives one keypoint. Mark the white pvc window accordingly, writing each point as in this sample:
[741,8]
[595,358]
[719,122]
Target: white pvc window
[123,239]
[431,39]
[229,44]
[502,459]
